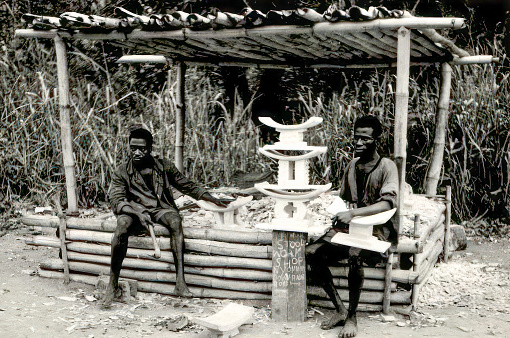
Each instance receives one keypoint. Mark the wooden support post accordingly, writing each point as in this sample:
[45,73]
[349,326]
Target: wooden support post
[387,285]
[436,160]
[447,223]
[288,300]
[65,124]
[62,234]
[401,107]
[180,116]
[416,287]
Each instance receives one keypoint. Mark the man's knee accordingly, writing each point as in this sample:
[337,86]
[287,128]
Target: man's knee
[123,223]
[171,221]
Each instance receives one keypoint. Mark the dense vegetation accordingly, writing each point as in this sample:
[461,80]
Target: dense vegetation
[221,137]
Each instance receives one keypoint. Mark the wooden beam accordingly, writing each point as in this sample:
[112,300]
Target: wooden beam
[65,124]
[401,108]
[180,116]
[320,28]
[469,60]
[436,159]
[142,59]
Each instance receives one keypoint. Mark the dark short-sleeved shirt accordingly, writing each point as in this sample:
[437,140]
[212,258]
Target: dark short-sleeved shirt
[381,184]
[128,186]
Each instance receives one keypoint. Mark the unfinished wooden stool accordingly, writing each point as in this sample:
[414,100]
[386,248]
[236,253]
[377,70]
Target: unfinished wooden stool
[225,216]
[127,288]
[226,322]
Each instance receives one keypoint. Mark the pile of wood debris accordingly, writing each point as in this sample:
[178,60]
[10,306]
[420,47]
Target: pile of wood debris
[466,285]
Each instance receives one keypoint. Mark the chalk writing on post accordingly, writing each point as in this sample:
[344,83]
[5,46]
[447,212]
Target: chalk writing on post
[288,260]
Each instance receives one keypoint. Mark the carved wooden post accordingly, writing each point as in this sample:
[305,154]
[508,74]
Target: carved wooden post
[288,301]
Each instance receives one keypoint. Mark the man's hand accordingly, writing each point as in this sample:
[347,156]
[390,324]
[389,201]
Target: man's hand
[221,202]
[342,219]
[145,219]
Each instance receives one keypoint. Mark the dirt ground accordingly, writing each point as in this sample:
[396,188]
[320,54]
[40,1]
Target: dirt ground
[468,297]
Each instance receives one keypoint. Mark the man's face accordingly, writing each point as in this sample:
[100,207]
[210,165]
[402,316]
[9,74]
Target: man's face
[138,149]
[364,142]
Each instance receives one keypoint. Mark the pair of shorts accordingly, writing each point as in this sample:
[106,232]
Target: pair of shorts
[155,213]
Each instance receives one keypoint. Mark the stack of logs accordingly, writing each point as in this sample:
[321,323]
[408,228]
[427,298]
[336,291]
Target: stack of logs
[222,263]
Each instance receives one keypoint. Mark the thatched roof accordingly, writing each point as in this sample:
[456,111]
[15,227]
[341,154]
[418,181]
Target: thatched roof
[299,37]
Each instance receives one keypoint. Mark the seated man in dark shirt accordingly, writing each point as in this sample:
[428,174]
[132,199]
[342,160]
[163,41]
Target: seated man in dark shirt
[370,185]
[140,195]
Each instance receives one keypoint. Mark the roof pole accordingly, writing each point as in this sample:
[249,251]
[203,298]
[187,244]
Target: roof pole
[436,160]
[65,124]
[401,108]
[180,116]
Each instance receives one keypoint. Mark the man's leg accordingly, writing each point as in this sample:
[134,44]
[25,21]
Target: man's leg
[119,249]
[316,257]
[172,221]
[355,279]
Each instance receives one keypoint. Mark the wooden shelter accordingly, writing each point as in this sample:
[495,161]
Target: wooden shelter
[303,38]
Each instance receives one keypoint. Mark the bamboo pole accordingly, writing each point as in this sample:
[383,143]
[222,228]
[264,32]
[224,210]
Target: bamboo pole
[363,307]
[401,108]
[164,288]
[62,235]
[65,124]
[180,117]
[430,261]
[322,27]
[431,228]
[101,225]
[436,159]
[437,236]
[447,223]
[159,276]
[209,247]
[398,275]
[189,259]
[416,288]
[143,264]
[398,297]
[387,285]
[408,245]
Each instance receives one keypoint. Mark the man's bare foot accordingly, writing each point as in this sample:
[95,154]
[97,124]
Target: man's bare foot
[336,319]
[182,290]
[350,328]
[109,295]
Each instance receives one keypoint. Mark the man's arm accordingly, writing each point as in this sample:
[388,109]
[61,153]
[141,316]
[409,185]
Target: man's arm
[117,193]
[188,187]
[346,216]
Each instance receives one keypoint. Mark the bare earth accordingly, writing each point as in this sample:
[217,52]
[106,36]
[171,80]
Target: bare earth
[467,297]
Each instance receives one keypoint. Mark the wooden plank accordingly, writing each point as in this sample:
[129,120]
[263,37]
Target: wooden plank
[288,301]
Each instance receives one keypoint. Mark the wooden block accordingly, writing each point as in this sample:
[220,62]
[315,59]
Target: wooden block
[226,322]
[288,300]
[127,288]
